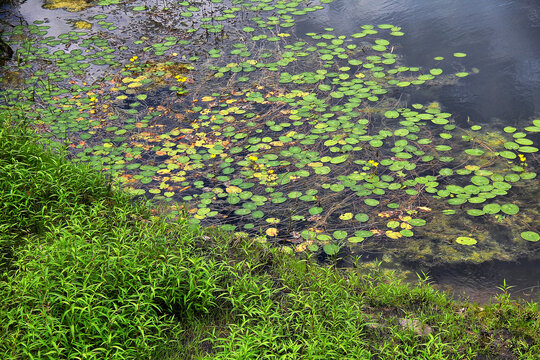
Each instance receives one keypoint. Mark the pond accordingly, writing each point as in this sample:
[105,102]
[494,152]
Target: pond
[403,131]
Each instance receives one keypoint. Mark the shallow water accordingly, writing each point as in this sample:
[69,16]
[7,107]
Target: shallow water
[480,282]
[501,40]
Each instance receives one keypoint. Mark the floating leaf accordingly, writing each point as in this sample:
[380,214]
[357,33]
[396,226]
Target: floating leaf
[475,152]
[465,240]
[475,212]
[339,235]
[233,189]
[339,159]
[528,149]
[508,155]
[417,222]
[331,249]
[480,180]
[324,237]
[371,202]
[492,208]
[272,231]
[406,232]
[346,216]
[391,114]
[393,234]
[530,236]
[392,224]
[510,209]
[361,217]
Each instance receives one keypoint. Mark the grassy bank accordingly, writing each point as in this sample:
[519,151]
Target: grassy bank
[87,273]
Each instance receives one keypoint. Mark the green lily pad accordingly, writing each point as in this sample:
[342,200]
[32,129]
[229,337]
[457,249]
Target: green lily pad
[528,149]
[339,235]
[491,208]
[417,222]
[508,155]
[331,249]
[475,212]
[480,180]
[475,152]
[510,209]
[361,217]
[530,236]
[465,240]
[324,237]
[391,114]
[371,202]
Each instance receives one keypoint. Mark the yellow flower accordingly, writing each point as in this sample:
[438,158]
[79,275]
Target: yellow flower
[134,58]
[174,54]
[373,163]
[522,157]
[283,35]
[181,78]
[253,158]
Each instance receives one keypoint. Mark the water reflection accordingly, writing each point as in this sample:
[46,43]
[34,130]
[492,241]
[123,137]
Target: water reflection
[479,282]
[500,37]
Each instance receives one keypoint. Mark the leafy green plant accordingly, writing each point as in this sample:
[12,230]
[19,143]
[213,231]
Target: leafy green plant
[95,274]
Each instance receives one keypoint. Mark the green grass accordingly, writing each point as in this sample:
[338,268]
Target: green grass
[86,272]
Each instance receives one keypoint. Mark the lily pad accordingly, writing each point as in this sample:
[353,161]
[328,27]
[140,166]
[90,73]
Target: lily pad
[417,222]
[331,249]
[475,212]
[465,240]
[510,209]
[491,208]
[530,236]
[361,217]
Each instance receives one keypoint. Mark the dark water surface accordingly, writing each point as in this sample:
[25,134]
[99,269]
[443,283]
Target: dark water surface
[500,37]
[479,282]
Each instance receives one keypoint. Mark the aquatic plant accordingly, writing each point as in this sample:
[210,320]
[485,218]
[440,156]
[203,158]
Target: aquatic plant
[304,140]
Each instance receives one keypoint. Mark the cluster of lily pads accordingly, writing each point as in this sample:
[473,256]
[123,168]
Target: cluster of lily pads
[302,140]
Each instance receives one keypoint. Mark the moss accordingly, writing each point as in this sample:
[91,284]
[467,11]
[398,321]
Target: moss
[487,255]
[12,78]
